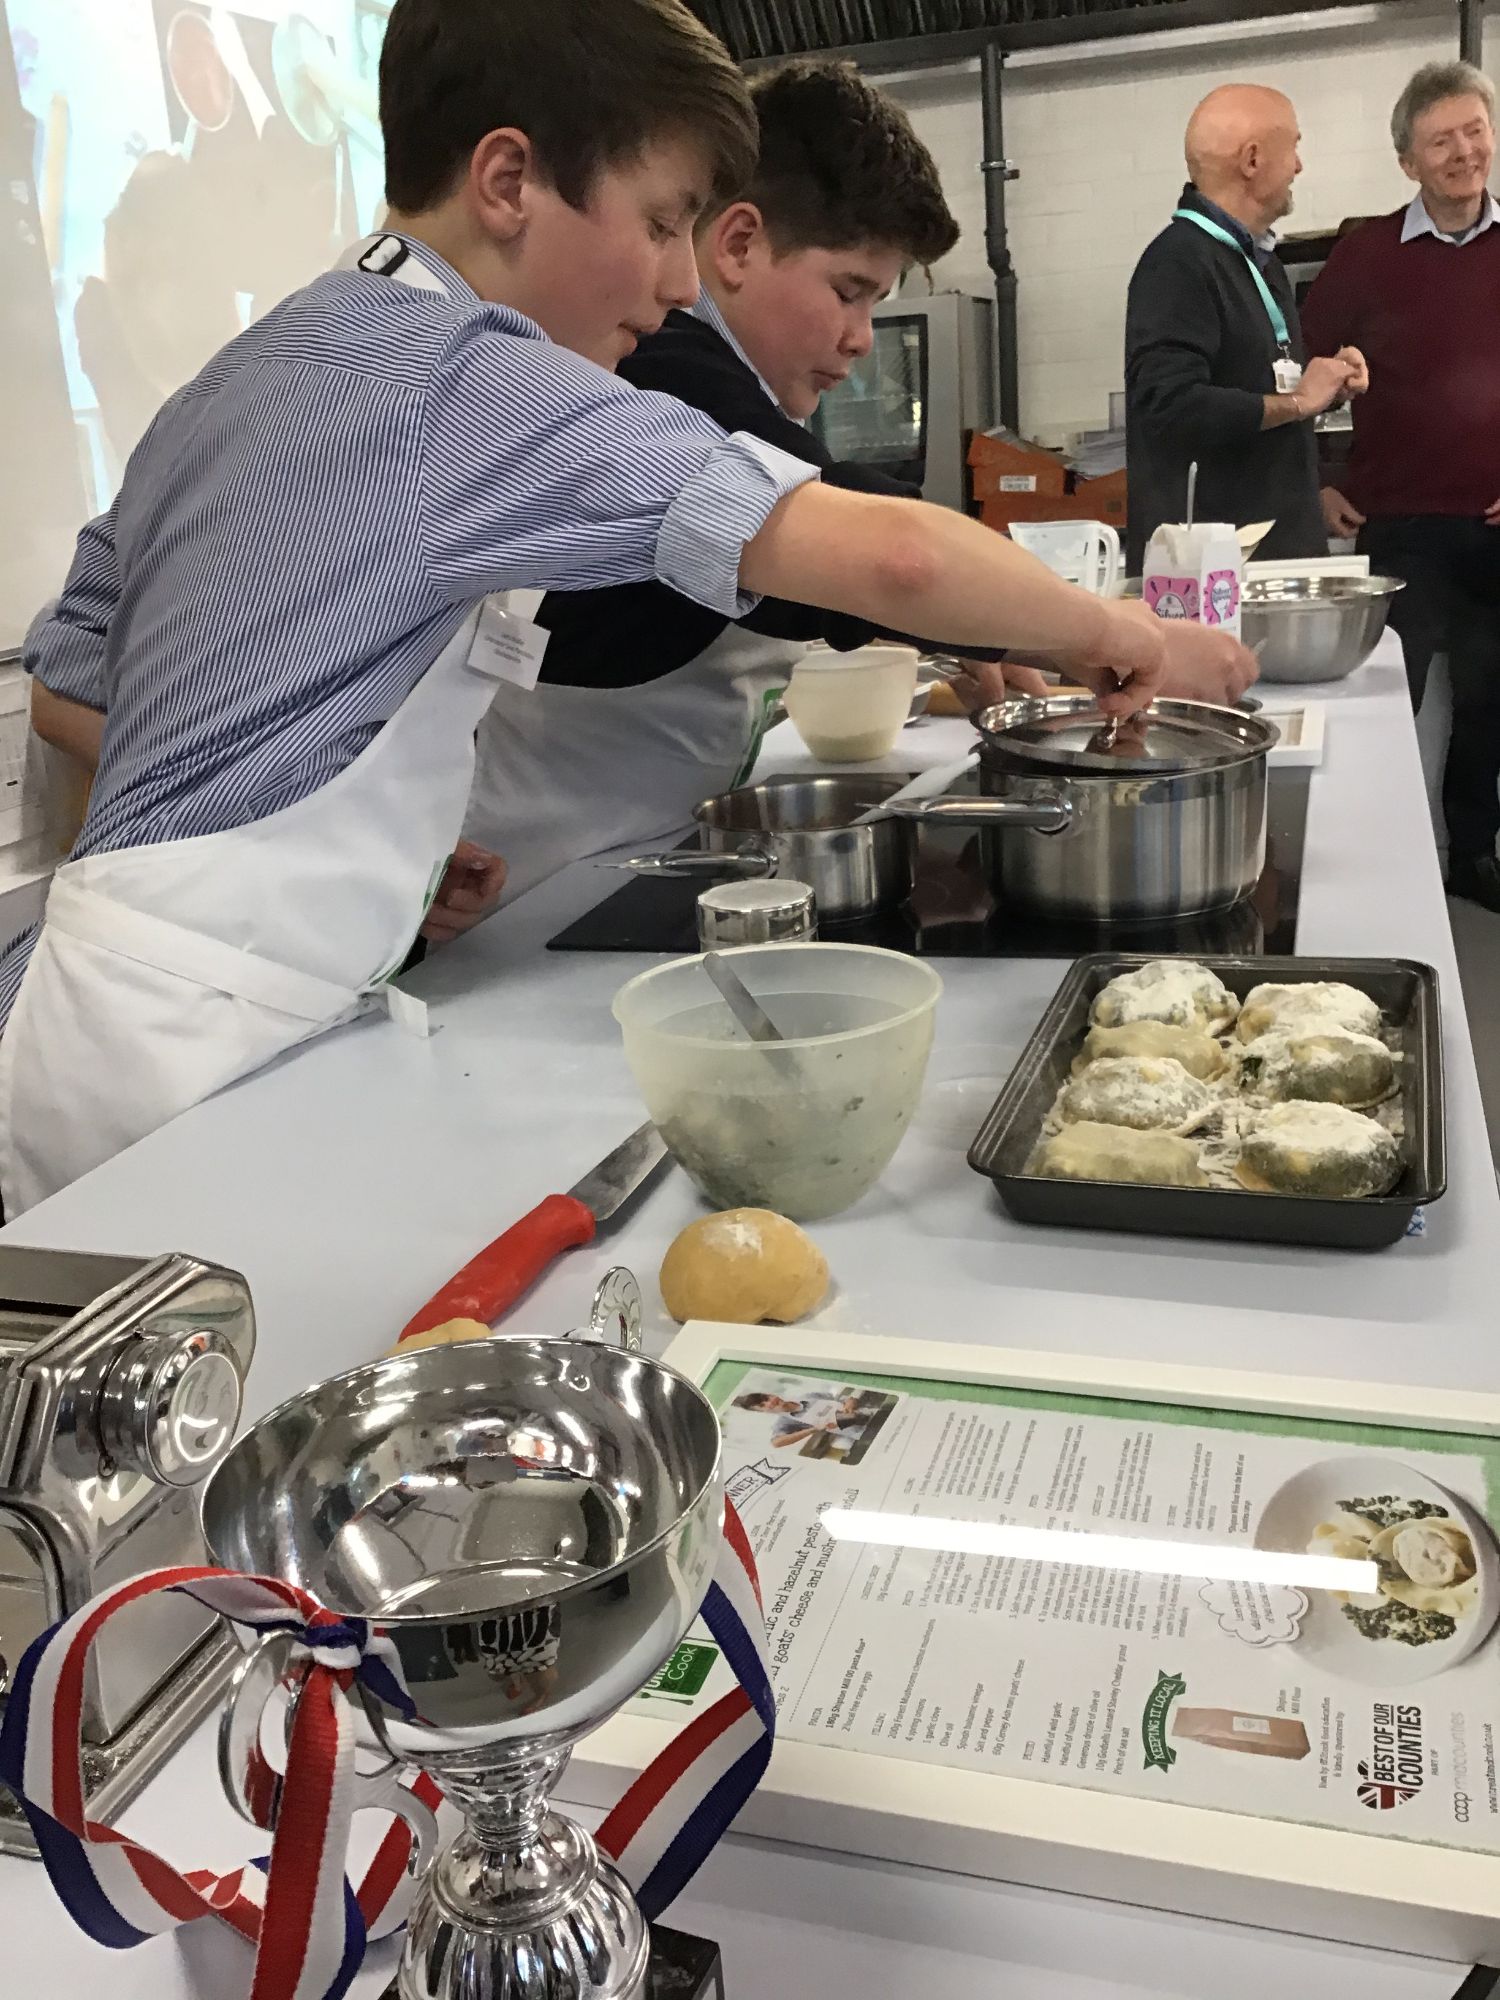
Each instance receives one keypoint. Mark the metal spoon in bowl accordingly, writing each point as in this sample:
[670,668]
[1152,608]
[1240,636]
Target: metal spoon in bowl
[748,1011]
[743,1004]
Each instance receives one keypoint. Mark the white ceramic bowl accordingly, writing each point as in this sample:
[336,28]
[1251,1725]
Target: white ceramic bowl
[850,707]
[805,1126]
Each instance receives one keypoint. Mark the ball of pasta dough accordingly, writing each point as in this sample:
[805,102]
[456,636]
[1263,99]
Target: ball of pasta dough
[1319,1149]
[744,1265]
[1092,1152]
[1332,1068]
[1151,1093]
[1310,1007]
[1198,1053]
[1176,990]
[444,1335]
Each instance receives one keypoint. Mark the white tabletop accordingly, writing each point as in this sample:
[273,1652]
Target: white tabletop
[352,1178]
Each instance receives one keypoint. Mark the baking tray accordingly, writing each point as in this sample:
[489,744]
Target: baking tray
[1407,994]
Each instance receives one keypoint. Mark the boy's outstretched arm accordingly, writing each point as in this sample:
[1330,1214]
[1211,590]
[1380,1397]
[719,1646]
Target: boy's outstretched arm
[924,569]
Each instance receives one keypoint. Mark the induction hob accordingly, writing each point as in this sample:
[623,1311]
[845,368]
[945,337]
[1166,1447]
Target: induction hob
[952,913]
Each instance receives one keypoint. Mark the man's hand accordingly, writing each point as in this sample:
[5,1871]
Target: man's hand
[1205,665]
[1024,680]
[1492,515]
[1124,664]
[467,894]
[1324,380]
[985,683]
[1359,370]
[1342,519]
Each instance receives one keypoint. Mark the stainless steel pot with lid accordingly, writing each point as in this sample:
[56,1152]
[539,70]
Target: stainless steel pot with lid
[1069,733]
[1167,820]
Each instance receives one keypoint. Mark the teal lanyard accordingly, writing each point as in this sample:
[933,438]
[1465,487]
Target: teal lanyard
[1273,311]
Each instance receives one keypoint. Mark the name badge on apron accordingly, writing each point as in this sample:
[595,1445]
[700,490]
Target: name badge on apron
[508,647]
[1288,376]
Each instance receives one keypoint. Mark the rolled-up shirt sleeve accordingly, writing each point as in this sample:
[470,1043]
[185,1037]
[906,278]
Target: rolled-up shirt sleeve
[539,470]
[66,646]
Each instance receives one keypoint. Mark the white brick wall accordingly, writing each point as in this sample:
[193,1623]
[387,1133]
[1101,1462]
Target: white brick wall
[1099,145]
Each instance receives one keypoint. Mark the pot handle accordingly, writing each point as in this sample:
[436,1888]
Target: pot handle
[1048,814]
[750,864]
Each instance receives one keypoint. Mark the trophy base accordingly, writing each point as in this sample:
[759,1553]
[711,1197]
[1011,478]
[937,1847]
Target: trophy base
[683,1967]
[546,1917]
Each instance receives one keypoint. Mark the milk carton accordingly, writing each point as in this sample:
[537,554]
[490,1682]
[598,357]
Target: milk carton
[1195,573]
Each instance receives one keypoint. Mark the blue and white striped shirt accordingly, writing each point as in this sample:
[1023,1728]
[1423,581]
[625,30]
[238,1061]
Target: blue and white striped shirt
[306,525]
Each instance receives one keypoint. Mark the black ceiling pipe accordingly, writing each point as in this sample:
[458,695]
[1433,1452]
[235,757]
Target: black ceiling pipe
[997,170]
[1471,32]
[938,49]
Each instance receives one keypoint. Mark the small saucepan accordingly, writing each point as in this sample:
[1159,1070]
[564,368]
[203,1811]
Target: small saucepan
[806,828]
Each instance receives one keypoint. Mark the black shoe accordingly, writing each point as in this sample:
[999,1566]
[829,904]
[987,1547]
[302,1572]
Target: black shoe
[1476,877]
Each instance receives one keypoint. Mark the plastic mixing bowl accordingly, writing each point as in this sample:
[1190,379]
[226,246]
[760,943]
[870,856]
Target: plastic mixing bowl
[805,1126]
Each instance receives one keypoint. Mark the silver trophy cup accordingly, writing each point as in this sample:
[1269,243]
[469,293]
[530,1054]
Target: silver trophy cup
[535,1525]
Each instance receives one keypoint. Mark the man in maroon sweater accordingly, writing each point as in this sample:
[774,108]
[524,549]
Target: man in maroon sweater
[1419,292]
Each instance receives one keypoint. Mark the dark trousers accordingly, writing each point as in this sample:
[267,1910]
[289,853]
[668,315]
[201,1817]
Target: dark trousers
[1451,604]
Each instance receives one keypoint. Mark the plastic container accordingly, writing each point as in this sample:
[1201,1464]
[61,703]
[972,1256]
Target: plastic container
[1083,552]
[804,1126]
[1195,573]
[850,707]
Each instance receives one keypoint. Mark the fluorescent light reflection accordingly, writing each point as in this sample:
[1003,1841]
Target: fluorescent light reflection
[1211,1561]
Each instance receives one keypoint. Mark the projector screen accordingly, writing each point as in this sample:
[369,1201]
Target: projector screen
[169,169]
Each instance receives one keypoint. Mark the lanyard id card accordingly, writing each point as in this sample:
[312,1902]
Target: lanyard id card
[1288,372]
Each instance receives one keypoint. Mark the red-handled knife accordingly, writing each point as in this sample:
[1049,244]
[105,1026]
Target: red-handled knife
[489,1284]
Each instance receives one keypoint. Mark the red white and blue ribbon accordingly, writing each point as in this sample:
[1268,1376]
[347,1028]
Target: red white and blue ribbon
[309,1924]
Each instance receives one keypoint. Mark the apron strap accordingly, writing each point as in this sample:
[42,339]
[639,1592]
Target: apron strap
[167,947]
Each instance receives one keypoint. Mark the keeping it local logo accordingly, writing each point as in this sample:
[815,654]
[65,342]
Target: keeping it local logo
[1393,1773]
[1160,1756]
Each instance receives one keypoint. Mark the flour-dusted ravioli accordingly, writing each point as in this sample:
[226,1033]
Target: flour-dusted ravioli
[1199,1054]
[1175,990]
[1092,1152]
[1318,1149]
[1313,1007]
[1325,1068]
[1149,1093]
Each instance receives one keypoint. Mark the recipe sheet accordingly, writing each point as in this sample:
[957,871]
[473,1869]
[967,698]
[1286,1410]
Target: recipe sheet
[1373,1709]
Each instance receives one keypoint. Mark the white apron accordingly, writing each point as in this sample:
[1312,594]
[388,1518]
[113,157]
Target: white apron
[163,973]
[564,773]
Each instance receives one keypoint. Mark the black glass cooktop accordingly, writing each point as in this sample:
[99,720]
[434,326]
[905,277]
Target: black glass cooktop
[952,912]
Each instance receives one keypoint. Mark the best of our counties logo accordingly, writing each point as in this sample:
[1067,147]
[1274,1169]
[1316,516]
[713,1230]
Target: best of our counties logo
[1393,1772]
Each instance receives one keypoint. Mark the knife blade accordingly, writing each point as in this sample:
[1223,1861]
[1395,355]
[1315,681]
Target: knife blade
[491,1282]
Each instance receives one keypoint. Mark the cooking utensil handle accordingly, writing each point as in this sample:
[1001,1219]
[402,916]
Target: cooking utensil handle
[716,866]
[743,1004]
[1042,815]
[489,1284]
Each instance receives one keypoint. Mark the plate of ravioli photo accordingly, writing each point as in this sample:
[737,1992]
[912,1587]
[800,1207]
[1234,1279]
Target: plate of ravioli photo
[1436,1568]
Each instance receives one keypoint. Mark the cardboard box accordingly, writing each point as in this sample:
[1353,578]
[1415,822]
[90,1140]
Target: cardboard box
[1002,467]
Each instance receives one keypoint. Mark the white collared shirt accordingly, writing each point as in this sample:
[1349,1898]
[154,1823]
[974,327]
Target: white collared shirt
[706,308]
[1419,223]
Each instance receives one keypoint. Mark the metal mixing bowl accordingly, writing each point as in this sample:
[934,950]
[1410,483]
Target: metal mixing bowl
[1315,628]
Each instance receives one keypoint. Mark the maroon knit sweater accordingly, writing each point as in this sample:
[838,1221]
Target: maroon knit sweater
[1426,316]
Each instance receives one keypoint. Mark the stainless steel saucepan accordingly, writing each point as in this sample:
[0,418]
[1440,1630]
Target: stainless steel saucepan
[805,828]
[1167,817]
